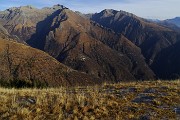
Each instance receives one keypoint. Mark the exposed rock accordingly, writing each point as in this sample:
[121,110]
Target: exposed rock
[144,117]
[26,100]
[177,110]
[124,91]
[144,99]
[150,90]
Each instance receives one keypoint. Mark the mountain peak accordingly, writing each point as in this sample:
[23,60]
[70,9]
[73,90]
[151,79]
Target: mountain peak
[109,10]
[56,7]
[59,6]
[112,12]
[27,7]
[21,8]
[30,7]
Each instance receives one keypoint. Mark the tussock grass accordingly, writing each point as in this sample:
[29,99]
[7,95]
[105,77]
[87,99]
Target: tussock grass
[108,101]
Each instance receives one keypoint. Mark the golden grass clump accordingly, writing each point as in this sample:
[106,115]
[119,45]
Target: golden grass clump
[135,100]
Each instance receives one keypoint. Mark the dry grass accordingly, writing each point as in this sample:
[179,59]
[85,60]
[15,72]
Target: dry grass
[109,101]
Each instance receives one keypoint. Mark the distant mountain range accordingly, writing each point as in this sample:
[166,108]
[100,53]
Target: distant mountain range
[175,21]
[107,46]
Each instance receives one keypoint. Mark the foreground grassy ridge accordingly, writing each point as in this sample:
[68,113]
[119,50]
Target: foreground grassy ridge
[136,100]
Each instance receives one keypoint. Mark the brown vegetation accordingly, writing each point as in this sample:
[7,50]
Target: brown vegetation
[159,44]
[23,66]
[77,42]
[135,100]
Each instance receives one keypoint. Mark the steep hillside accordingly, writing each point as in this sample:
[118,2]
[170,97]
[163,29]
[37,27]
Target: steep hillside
[167,63]
[22,65]
[3,33]
[6,36]
[3,30]
[150,37]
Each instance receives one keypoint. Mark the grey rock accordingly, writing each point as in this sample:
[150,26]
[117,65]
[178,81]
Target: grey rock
[144,99]
[144,117]
[132,89]
[177,110]
[164,87]
[128,90]
[150,90]
[26,100]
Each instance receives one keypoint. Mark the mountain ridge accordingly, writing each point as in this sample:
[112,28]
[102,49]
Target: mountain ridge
[150,37]
[24,66]
[52,31]
[175,21]
[111,46]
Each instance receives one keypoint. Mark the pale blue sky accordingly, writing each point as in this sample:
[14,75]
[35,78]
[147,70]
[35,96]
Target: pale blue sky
[155,9]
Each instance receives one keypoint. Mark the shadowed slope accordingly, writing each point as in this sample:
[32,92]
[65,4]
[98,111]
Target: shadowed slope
[88,47]
[77,42]
[22,65]
[152,38]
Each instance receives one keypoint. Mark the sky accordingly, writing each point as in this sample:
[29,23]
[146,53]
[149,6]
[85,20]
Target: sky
[151,9]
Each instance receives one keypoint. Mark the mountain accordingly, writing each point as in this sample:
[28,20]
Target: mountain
[169,25]
[175,21]
[82,44]
[152,38]
[22,21]
[166,23]
[85,46]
